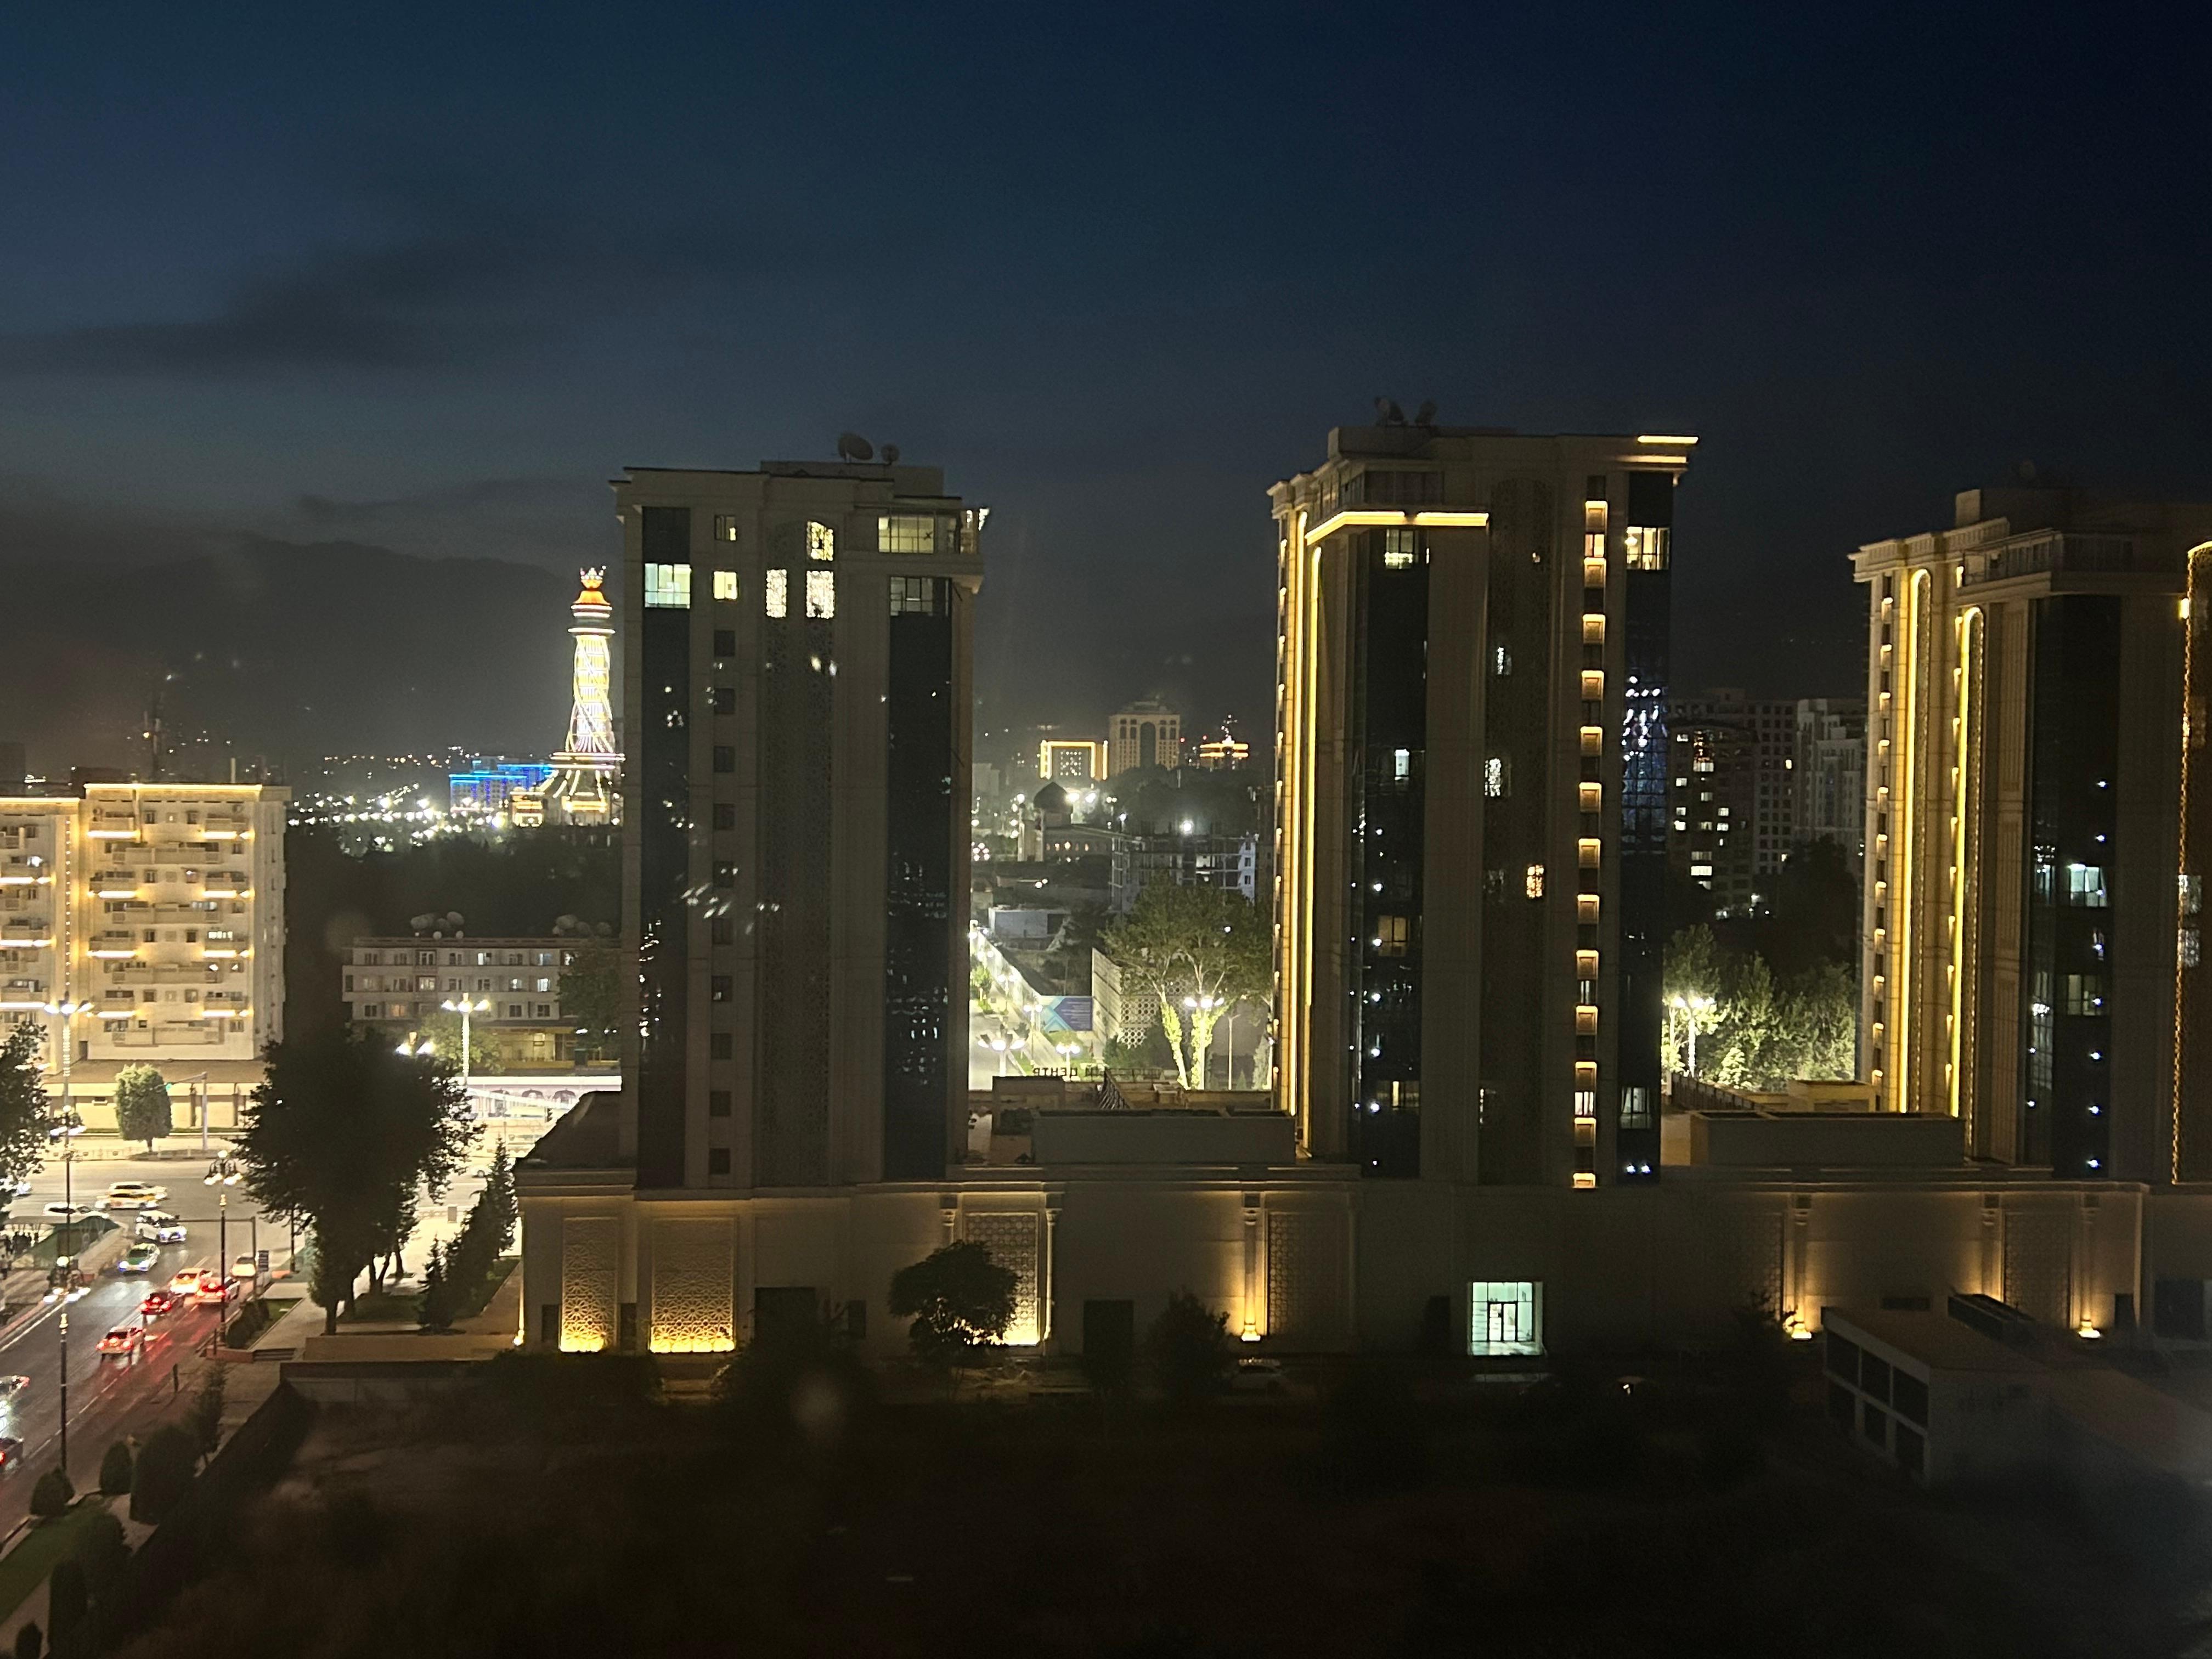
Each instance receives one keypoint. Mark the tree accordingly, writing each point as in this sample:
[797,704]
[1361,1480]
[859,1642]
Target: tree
[499,1195]
[206,1419]
[142,1105]
[444,1031]
[115,1469]
[591,991]
[1202,951]
[67,1602]
[438,1300]
[53,1493]
[339,1136]
[101,1552]
[1189,1348]
[166,1463]
[959,1299]
[22,1106]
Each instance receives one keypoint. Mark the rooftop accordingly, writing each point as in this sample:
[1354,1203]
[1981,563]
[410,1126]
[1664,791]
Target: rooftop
[1937,1340]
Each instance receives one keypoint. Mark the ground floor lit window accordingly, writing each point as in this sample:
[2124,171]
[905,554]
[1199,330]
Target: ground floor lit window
[1505,1316]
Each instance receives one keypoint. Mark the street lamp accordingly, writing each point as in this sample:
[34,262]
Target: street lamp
[222,1175]
[464,1008]
[1693,1009]
[64,1283]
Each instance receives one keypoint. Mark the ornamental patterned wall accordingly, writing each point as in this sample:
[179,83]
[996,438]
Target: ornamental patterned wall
[590,1257]
[1011,1238]
[1305,1276]
[694,1272]
[2038,1277]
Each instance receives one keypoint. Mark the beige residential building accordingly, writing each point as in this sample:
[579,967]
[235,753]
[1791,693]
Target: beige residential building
[162,907]
[1145,733]
[395,985]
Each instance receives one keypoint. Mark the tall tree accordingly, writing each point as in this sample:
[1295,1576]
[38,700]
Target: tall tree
[22,1106]
[1203,951]
[590,994]
[142,1105]
[959,1299]
[340,1135]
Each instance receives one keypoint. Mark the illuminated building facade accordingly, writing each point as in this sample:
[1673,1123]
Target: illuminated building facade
[796,865]
[586,782]
[1145,733]
[1224,752]
[1731,804]
[1067,760]
[1472,802]
[161,907]
[2034,855]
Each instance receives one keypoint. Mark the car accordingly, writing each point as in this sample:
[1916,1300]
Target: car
[184,1282]
[11,1451]
[12,1386]
[212,1290]
[139,1259]
[160,1227]
[124,1339]
[245,1266]
[132,1196]
[1257,1375]
[157,1303]
[22,1189]
[62,1211]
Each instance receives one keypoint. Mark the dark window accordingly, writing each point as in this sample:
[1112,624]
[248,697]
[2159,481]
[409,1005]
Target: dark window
[1874,1378]
[1911,1451]
[1873,1424]
[725,699]
[726,875]
[725,642]
[1910,1395]
[718,988]
[1842,1358]
[725,757]
[721,931]
[717,1160]
[1841,1403]
[725,814]
[718,1046]
[718,1103]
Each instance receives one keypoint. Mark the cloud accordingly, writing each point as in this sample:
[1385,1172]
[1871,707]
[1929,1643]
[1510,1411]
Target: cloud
[434,300]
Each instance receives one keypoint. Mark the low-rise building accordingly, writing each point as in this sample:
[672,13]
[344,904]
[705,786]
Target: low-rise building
[397,986]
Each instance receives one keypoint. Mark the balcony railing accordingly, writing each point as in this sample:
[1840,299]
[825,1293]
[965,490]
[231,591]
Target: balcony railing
[2063,553]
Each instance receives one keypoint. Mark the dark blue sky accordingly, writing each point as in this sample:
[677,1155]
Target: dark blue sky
[424,276]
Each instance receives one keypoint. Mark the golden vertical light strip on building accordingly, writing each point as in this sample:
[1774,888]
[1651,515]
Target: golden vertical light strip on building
[2188,603]
[1903,794]
[1967,627]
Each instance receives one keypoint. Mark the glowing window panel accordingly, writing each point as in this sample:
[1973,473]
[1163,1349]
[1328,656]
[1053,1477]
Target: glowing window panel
[821,542]
[668,586]
[1532,881]
[906,532]
[776,592]
[726,584]
[821,593]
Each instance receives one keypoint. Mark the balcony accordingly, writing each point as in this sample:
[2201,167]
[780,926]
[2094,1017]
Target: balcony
[2057,553]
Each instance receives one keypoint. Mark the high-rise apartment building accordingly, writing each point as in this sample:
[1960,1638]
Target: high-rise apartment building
[1471,793]
[159,908]
[1732,804]
[1145,733]
[2035,836]
[795,880]
[1829,774]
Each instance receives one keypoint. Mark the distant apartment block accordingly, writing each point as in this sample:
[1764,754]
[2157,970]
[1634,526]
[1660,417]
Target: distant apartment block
[1829,774]
[1732,809]
[161,907]
[395,986]
[1067,759]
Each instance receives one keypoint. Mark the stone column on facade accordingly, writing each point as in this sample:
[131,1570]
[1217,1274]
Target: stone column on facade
[1992,1283]
[1047,1267]
[1250,1331]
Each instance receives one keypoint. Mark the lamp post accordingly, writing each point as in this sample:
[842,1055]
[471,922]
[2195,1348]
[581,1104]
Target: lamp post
[64,1283]
[222,1175]
[464,1008]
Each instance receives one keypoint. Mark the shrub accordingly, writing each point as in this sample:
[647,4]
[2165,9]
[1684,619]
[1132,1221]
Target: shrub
[67,1600]
[166,1463]
[52,1494]
[115,1469]
[30,1641]
[101,1552]
[959,1299]
[1189,1348]
[207,1411]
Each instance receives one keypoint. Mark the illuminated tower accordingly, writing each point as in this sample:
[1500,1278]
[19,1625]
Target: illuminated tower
[587,784]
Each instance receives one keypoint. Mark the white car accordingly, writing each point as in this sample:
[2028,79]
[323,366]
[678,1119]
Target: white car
[133,1195]
[12,1386]
[159,1226]
[62,1211]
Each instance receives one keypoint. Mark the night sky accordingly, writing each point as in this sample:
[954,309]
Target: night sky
[423,278]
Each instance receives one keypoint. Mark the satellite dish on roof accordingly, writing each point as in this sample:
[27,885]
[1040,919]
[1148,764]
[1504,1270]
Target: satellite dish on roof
[852,446]
[1427,414]
[1387,412]
[891,454]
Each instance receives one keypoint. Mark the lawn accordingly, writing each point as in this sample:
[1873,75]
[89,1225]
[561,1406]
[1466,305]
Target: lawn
[25,1567]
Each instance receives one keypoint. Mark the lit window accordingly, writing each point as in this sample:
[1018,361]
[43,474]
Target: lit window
[821,593]
[1497,776]
[2084,884]
[900,532]
[776,586]
[726,584]
[918,596]
[1401,764]
[725,529]
[1398,549]
[1635,1106]
[1532,881]
[668,586]
[1585,1105]
[1645,547]
[1392,934]
[821,542]
[1506,1317]
[1501,660]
